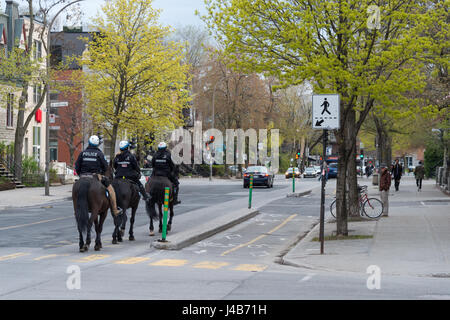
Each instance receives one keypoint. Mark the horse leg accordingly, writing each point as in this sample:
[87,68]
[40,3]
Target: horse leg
[98,229]
[160,217]
[152,207]
[169,224]
[116,229]
[133,213]
[124,223]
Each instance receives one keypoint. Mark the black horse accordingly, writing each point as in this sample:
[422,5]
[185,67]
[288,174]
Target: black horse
[89,195]
[155,187]
[127,196]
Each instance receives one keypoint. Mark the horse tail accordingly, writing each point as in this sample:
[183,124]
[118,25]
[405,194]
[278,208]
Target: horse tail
[150,209]
[82,208]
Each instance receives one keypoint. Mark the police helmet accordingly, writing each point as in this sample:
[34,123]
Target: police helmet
[162,146]
[94,141]
[124,145]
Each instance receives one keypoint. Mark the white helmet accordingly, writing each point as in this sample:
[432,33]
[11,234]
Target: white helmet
[162,145]
[94,141]
[123,145]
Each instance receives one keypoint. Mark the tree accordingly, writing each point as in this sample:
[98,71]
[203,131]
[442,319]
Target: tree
[135,80]
[335,46]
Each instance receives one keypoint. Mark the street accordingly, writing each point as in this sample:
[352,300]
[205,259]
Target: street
[39,255]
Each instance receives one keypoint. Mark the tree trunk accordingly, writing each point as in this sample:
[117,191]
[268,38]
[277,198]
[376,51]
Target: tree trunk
[112,151]
[352,181]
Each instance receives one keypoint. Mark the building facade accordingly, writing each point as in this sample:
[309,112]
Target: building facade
[13,33]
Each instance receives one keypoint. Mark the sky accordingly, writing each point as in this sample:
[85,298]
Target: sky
[175,13]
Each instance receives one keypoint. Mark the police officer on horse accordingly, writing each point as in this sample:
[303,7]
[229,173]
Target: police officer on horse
[92,161]
[126,165]
[163,166]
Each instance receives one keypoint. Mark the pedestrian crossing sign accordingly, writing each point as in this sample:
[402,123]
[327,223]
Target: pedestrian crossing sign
[325,111]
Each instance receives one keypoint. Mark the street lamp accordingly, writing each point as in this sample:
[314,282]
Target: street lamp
[47,103]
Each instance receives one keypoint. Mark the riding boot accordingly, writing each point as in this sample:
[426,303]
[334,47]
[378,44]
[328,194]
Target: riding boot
[175,195]
[142,191]
[112,200]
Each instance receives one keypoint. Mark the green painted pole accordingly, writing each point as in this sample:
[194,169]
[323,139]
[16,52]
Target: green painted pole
[250,188]
[166,209]
[293,180]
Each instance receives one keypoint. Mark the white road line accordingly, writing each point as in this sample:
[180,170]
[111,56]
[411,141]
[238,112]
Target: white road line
[307,277]
[33,223]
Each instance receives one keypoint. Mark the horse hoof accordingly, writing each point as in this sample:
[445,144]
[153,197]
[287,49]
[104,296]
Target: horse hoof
[120,240]
[97,247]
[131,238]
[169,227]
[122,232]
[114,241]
[81,249]
[86,248]
[152,233]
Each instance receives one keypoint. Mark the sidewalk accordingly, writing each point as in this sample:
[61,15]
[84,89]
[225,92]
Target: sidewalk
[414,240]
[34,196]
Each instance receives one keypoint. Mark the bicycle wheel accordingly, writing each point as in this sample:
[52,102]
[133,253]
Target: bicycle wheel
[373,208]
[333,208]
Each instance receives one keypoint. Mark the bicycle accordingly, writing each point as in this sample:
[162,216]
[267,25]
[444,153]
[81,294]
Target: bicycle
[372,207]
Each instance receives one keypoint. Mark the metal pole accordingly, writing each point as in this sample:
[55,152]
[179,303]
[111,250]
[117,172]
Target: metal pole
[250,188]
[166,208]
[322,194]
[47,119]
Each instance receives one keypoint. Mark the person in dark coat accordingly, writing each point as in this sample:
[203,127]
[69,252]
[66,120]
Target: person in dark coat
[397,171]
[163,166]
[126,165]
[92,161]
[419,174]
[385,185]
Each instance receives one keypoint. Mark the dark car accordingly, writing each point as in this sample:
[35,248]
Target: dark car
[289,171]
[332,170]
[261,176]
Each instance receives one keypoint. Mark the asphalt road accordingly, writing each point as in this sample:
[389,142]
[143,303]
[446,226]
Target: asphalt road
[39,257]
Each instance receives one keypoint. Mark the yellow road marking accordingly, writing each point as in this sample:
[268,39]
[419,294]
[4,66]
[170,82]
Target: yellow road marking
[93,257]
[169,263]
[210,265]
[132,260]
[50,256]
[250,267]
[261,236]
[13,256]
[32,224]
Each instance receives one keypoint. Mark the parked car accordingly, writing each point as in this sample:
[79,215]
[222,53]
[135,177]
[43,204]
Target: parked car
[261,176]
[310,172]
[289,172]
[332,170]
[145,175]
[317,168]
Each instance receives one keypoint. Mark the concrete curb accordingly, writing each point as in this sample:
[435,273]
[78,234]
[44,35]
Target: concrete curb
[188,237]
[298,194]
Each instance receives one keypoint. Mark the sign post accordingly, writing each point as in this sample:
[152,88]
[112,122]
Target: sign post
[325,116]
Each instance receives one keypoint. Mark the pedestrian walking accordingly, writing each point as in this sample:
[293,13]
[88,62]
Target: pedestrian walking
[385,185]
[324,171]
[397,171]
[419,173]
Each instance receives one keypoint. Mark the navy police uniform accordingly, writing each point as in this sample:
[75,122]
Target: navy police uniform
[126,165]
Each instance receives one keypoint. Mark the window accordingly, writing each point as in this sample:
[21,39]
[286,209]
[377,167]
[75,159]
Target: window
[37,143]
[37,92]
[37,49]
[53,145]
[10,110]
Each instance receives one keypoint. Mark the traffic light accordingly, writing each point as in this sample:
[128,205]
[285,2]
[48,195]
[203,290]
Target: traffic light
[210,140]
[361,156]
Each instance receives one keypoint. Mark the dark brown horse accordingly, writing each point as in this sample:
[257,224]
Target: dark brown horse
[155,187]
[127,196]
[89,196]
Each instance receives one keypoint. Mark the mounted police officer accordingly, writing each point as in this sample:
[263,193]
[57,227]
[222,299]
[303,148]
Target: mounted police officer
[126,165]
[163,166]
[92,161]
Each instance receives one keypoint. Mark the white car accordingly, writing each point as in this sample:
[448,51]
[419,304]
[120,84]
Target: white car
[145,175]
